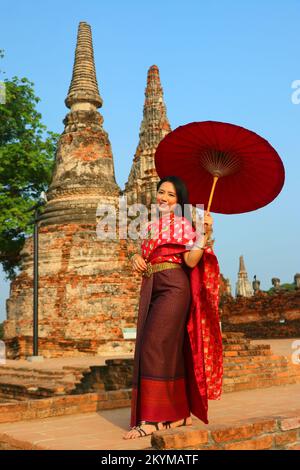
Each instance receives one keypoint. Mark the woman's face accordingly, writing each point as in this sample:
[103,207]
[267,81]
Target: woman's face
[166,197]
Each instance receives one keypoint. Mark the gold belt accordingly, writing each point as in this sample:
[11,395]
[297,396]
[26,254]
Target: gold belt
[154,268]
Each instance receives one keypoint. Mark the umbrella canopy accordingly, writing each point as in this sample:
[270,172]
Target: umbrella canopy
[248,170]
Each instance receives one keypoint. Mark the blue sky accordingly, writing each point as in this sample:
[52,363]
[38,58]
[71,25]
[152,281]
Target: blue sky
[220,60]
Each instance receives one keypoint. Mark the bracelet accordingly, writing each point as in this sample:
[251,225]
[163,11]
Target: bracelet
[200,236]
[198,247]
[201,233]
[131,256]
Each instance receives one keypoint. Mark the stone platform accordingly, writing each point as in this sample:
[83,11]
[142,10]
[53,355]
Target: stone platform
[248,364]
[266,418]
[22,380]
[259,409]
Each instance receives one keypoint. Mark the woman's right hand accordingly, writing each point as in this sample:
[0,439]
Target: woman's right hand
[138,263]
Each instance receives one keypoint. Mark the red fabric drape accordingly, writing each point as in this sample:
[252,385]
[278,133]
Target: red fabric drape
[203,351]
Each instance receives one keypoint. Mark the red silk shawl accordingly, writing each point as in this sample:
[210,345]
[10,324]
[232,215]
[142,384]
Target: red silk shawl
[203,351]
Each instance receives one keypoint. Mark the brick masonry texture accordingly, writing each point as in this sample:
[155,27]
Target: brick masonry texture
[256,434]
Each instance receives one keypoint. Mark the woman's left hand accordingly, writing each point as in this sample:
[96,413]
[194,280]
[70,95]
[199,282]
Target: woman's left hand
[208,218]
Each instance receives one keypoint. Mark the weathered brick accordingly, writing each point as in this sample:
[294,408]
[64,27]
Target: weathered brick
[244,431]
[258,316]
[259,443]
[295,446]
[229,434]
[290,423]
[176,439]
[285,438]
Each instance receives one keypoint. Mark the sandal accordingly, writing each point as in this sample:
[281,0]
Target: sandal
[168,424]
[142,432]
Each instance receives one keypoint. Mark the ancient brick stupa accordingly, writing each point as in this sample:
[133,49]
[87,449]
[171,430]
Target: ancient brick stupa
[142,180]
[84,282]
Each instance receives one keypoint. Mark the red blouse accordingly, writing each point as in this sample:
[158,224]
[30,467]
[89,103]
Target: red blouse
[168,229]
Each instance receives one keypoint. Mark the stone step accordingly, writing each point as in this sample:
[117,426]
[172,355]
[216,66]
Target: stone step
[246,359]
[42,374]
[51,383]
[233,334]
[250,353]
[236,341]
[237,384]
[259,373]
[260,383]
[42,379]
[24,392]
[37,383]
[24,371]
[233,363]
[249,370]
[238,347]
[43,389]
[249,377]
[240,342]
[23,382]
[252,371]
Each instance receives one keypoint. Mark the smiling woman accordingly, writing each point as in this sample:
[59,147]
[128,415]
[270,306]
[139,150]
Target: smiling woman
[166,197]
[172,378]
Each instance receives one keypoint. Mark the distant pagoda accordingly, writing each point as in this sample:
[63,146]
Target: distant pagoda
[243,285]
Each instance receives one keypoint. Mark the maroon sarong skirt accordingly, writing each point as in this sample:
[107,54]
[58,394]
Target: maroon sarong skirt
[159,386]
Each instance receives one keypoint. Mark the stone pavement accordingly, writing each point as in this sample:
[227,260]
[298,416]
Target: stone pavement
[60,362]
[278,346]
[104,429]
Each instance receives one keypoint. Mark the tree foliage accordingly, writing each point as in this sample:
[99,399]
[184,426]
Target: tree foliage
[26,163]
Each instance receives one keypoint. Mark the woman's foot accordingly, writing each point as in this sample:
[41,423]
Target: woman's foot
[181,422]
[145,428]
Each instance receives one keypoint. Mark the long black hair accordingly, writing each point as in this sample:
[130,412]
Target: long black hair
[181,194]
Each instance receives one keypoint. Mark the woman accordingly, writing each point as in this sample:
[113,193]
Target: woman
[178,353]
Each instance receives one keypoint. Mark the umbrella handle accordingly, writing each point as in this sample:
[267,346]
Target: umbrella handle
[212,192]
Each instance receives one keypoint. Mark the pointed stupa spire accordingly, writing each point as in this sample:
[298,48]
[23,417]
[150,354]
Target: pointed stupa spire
[242,268]
[84,86]
[143,178]
[155,124]
[243,285]
[84,167]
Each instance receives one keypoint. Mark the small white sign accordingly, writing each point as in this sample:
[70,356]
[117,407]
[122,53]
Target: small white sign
[129,333]
[2,353]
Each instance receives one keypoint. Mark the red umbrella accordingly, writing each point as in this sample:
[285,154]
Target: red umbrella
[249,171]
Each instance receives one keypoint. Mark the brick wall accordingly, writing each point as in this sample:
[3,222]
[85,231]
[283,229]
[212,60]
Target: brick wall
[268,433]
[260,316]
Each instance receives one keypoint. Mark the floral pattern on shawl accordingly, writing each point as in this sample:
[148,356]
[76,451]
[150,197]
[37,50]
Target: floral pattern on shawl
[172,231]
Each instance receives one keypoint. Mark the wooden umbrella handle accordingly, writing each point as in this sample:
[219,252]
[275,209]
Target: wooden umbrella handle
[212,192]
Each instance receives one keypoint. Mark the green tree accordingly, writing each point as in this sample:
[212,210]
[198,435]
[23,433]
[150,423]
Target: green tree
[285,287]
[27,152]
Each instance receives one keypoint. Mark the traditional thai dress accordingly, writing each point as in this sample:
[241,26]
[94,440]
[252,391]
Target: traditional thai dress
[178,360]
